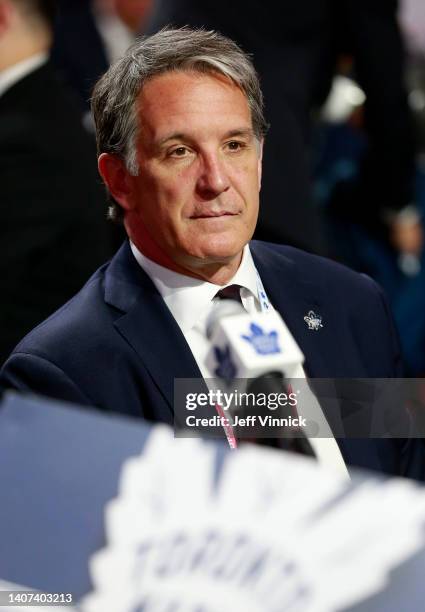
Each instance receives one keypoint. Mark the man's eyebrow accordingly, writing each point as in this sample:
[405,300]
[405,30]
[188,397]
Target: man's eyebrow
[174,136]
[244,132]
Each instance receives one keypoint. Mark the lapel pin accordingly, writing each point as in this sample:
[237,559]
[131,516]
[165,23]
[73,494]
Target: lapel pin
[313,320]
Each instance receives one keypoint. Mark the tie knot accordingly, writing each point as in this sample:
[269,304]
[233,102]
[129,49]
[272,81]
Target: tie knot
[231,292]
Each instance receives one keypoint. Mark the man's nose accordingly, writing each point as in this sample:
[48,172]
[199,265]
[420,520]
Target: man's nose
[213,177]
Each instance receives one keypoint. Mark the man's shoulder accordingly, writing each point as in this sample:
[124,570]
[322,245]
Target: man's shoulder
[79,323]
[40,89]
[71,354]
[40,104]
[351,303]
[309,267]
[86,321]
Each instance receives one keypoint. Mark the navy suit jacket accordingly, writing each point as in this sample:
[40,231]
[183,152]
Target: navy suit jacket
[116,346]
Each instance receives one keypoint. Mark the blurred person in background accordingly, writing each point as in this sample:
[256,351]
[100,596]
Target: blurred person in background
[412,21]
[381,195]
[90,35]
[371,149]
[53,231]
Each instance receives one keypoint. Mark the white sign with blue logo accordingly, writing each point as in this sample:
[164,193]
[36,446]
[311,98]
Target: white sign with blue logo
[262,532]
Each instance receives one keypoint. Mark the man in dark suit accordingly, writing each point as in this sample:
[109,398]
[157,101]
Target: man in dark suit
[53,233]
[180,131]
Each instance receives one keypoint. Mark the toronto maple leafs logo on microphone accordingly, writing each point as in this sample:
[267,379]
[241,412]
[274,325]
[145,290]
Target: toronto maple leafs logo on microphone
[264,343]
[226,369]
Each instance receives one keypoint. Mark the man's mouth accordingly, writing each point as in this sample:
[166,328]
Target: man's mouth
[213,215]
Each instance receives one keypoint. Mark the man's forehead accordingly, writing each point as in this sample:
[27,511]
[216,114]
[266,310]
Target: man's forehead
[180,102]
[192,76]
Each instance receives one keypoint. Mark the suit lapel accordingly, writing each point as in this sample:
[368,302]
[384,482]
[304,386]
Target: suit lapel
[294,296]
[147,324]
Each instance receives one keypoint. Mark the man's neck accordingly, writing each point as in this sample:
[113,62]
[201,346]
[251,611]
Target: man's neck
[215,272]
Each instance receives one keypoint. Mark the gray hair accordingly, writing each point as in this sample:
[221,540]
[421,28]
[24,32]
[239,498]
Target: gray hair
[115,94]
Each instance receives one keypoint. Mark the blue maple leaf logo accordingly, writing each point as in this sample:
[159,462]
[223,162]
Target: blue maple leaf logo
[264,343]
[226,369]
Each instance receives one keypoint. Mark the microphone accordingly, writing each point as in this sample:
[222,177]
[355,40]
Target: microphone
[258,343]
[259,349]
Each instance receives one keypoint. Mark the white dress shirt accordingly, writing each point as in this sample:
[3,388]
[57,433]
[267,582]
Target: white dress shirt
[17,72]
[191,300]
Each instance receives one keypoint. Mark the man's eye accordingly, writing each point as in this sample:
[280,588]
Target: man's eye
[235,145]
[179,152]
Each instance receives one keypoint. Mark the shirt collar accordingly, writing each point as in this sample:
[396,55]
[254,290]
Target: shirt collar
[17,72]
[188,298]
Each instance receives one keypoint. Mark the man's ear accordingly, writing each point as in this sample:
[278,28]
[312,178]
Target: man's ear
[117,178]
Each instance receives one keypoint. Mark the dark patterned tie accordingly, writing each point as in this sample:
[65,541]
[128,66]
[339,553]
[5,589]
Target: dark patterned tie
[231,292]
